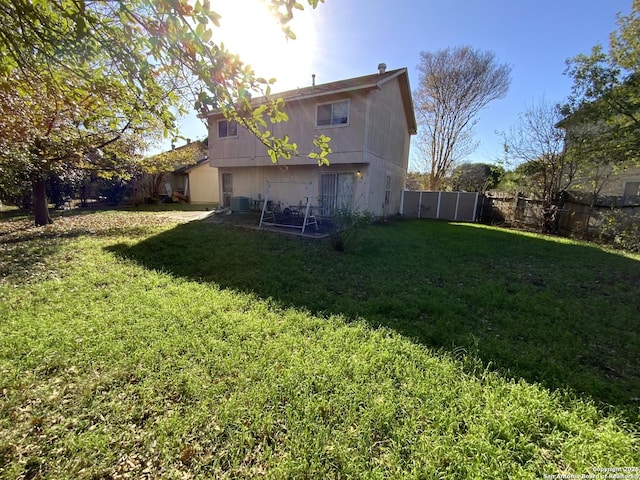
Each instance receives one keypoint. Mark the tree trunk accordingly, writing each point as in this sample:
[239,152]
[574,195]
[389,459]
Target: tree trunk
[585,227]
[40,202]
[434,183]
[551,213]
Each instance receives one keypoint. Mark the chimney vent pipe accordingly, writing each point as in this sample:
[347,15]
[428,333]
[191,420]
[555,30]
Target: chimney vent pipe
[382,67]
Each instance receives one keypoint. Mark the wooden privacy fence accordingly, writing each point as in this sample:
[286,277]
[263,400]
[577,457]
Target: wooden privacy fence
[457,206]
[578,217]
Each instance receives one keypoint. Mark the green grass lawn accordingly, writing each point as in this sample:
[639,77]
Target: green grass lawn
[133,348]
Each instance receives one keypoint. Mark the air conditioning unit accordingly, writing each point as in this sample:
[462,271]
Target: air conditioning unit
[240,204]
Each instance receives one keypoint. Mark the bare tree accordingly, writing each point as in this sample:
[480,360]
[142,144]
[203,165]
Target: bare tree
[537,143]
[455,84]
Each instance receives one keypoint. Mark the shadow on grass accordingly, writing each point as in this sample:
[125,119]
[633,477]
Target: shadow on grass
[565,315]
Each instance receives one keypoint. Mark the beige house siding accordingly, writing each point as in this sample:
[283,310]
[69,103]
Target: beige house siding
[387,147]
[347,141]
[203,184]
[387,132]
[373,145]
[288,183]
[615,182]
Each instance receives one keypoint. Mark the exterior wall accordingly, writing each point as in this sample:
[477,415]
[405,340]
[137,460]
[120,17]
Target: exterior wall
[287,183]
[614,185]
[347,141]
[204,186]
[386,147]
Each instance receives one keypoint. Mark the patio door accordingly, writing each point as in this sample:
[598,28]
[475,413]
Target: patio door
[227,189]
[336,192]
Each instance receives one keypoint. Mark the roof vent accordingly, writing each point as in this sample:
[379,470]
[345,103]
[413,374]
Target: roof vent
[313,80]
[382,67]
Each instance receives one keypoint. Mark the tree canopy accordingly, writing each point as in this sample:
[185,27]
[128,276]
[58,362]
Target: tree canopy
[455,85]
[475,177]
[603,111]
[79,81]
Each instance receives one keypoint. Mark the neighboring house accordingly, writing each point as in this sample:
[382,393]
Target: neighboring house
[603,180]
[183,174]
[623,183]
[369,119]
[199,181]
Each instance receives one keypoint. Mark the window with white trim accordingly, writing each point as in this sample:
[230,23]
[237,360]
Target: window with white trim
[227,129]
[336,113]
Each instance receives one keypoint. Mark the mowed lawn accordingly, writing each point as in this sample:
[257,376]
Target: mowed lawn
[131,347]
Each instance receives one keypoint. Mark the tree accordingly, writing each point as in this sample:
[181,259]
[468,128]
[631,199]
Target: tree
[536,142]
[475,177]
[603,111]
[99,73]
[49,135]
[416,181]
[455,85]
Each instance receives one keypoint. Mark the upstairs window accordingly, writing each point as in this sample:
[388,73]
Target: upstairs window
[336,113]
[227,129]
[631,189]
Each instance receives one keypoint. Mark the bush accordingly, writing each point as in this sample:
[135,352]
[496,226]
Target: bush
[344,225]
[621,230]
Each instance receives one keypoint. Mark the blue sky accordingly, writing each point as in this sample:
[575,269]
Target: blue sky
[348,38]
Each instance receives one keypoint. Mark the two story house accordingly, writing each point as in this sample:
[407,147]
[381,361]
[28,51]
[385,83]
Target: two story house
[370,120]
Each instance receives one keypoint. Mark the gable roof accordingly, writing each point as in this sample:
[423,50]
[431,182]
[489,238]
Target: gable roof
[180,159]
[187,168]
[365,82]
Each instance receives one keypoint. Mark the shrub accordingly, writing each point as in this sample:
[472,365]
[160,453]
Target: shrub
[621,230]
[344,225]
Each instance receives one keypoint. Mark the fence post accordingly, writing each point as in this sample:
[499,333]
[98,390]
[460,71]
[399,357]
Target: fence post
[438,207]
[475,208]
[420,204]
[402,203]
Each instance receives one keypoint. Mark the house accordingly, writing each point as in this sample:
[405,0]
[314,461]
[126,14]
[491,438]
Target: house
[369,119]
[200,182]
[620,183]
[584,127]
[182,174]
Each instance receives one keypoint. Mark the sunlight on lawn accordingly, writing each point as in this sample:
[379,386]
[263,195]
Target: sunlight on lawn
[551,238]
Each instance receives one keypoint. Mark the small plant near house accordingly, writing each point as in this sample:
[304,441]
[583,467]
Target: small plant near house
[621,230]
[345,224]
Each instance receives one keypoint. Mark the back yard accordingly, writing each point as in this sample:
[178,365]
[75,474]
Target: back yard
[137,348]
